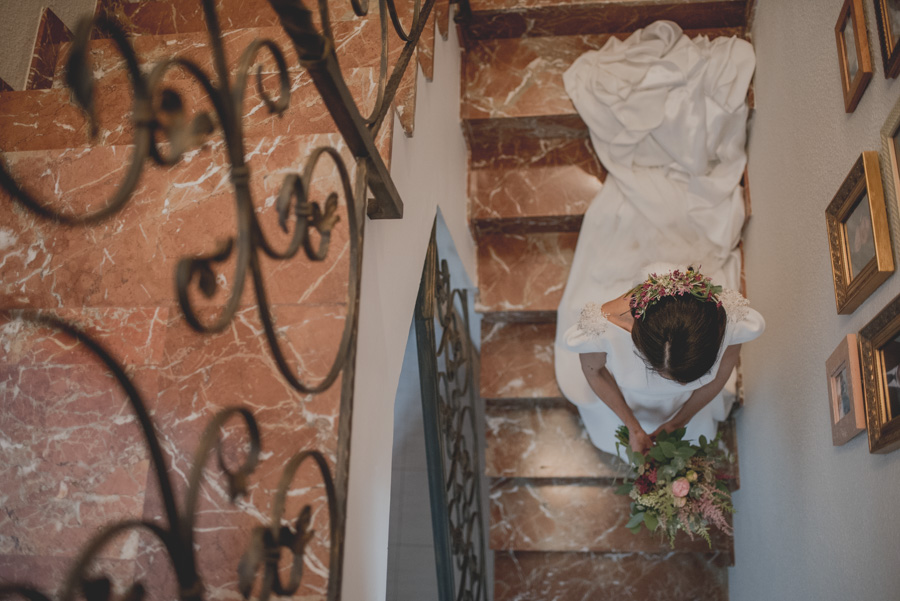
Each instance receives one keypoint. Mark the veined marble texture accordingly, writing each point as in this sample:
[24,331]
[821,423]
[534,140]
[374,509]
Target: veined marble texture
[523,272]
[541,439]
[511,18]
[52,34]
[529,576]
[517,360]
[582,515]
[550,181]
[184,210]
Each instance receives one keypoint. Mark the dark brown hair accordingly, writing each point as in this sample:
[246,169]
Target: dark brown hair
[680,336]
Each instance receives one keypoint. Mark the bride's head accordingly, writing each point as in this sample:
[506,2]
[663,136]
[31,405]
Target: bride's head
[679,336]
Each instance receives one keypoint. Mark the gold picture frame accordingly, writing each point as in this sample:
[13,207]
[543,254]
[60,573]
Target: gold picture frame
[887,15]
[858,235]
[879,355]
[854,58]
[845,392]
[890,171]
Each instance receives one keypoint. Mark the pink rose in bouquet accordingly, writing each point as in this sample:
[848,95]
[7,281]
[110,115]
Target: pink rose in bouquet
[681,487]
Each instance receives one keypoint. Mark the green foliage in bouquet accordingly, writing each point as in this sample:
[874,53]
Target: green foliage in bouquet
[677,485]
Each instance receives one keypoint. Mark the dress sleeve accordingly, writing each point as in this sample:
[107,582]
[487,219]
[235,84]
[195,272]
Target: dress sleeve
[588,335]
[745,322]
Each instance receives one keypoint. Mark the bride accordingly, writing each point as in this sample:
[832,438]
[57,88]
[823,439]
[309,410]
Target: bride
[648,344]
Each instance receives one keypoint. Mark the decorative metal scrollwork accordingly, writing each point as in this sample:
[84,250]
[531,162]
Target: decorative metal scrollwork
[446,371]
[163,132]
[177,534]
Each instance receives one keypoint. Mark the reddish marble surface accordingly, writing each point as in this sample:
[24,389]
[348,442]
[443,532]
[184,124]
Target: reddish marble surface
[48,120]
[48,573]
[181,211]
[511,18]
[485,136]
[517,360]
[535,576]
[442,17]
[560,515]
[542,183]
[542,440]
[523,272]
[52,33]
[72,454]
[425,47]
[522,77]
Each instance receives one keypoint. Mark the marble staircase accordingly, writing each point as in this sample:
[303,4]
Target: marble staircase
[557,529]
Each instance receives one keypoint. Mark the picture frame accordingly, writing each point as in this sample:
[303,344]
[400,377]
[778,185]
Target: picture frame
[879,356]
[858,235]
[845,392]
[890,171]
[854,58]
[887,16]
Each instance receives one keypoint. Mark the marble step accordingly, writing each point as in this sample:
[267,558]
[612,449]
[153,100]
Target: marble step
[523,272]
[565,576]
[185,17]
[532,185]
[547,439]
[521,18]
[517,361]
[542,439]
[578,515]
[513,87]
[38,120]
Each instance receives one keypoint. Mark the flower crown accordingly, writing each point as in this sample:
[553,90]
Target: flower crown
[675,283]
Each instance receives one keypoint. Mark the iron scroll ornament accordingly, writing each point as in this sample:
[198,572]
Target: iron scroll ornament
[446,373]
[177,536]
[163,133]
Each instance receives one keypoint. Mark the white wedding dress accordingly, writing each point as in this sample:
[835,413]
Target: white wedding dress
[667,117]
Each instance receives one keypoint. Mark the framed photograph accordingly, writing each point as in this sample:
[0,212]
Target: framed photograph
[887,14]
[845,394]
[858,235]
[854,58]
[879,356]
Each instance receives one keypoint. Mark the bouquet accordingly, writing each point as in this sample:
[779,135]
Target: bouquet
[677,486]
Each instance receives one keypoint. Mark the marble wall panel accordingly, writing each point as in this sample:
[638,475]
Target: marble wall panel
[527,576]
[541,440]
[555,515]
[523,272]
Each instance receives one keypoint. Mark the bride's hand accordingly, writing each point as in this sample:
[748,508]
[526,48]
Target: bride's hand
[670,426]
[639,440]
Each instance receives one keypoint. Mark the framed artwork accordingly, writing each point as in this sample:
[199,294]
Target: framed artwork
[854,58]
[887,14]
[845,394]
[879,355]
[858,235]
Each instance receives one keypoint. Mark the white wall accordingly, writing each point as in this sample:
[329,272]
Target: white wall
[18,30]
[814,521]
[429,171]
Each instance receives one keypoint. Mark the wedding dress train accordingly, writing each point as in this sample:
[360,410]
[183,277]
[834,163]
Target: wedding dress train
[667,117]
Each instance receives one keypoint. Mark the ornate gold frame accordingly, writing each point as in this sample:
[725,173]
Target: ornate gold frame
[883,429]
[853,90]
[864,178]
[846,356]
[890,54]
[890,172]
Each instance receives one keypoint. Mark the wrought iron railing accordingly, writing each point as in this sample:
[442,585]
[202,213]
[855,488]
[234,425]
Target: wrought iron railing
[162,134]
[447,377]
